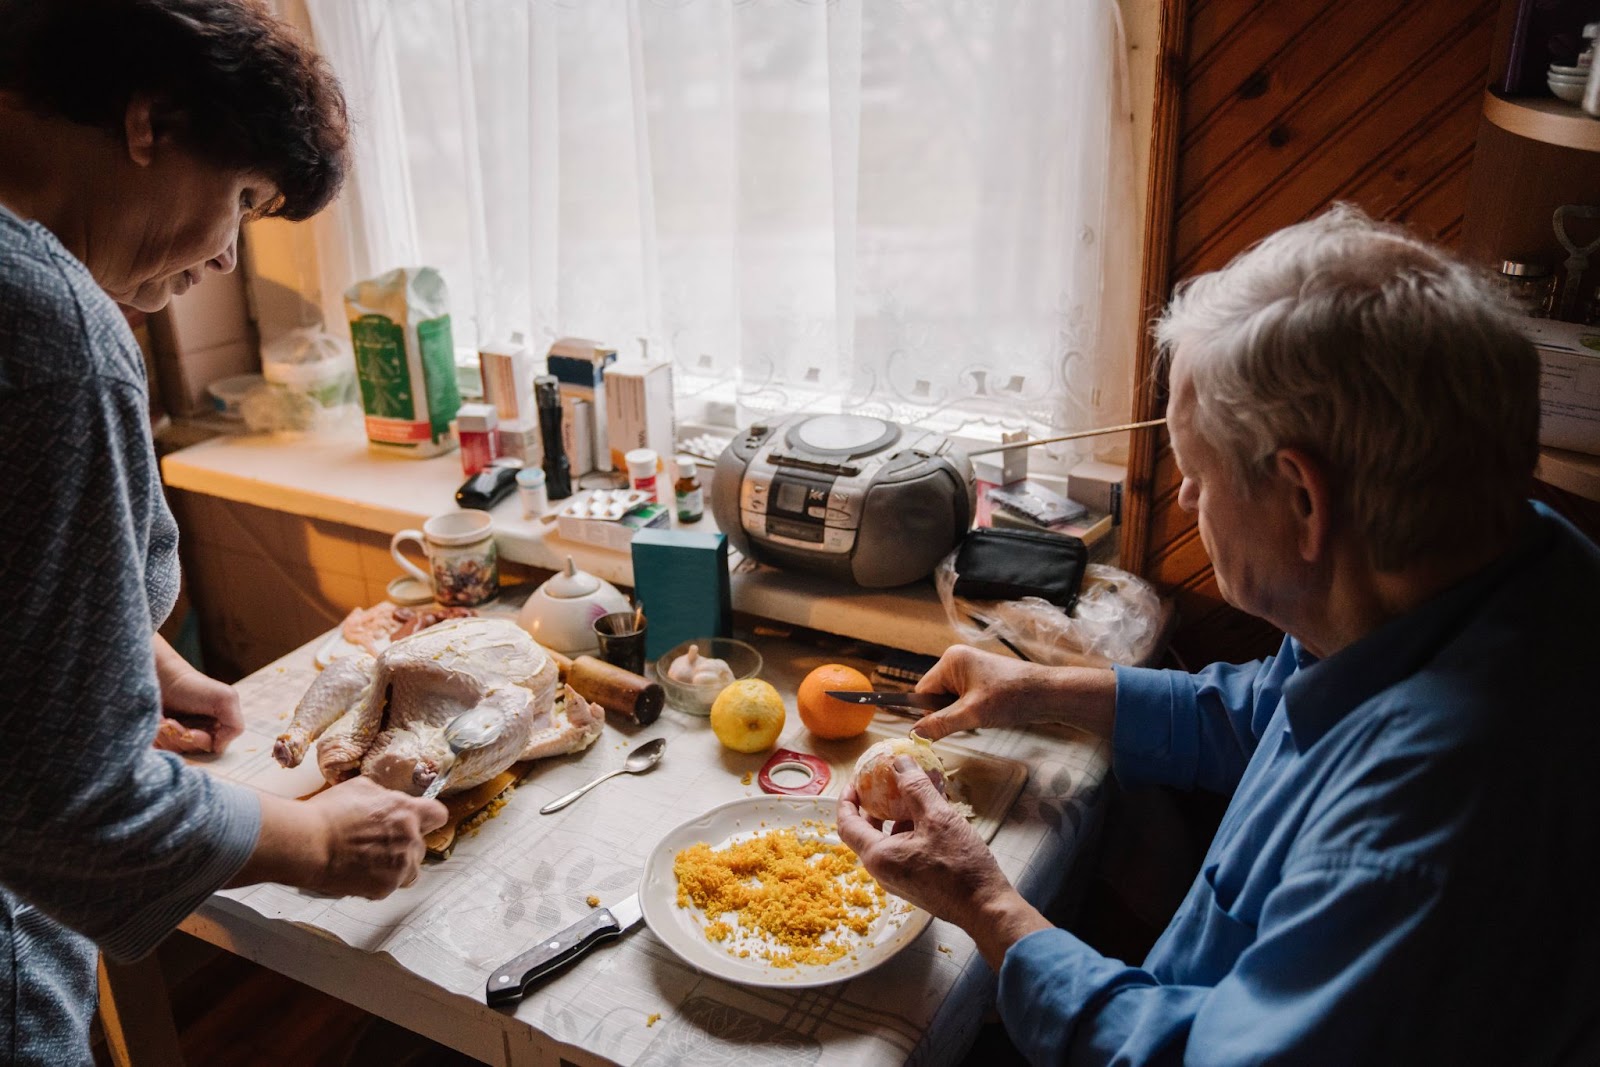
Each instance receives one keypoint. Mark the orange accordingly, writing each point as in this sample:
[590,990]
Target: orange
[827,716]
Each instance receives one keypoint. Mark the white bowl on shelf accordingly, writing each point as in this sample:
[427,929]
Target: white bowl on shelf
[1570,91]
[1580,71]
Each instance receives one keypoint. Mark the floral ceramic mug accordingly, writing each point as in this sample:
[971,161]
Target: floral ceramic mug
[462,558]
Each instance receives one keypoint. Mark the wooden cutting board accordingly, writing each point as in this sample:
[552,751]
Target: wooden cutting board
[463,806]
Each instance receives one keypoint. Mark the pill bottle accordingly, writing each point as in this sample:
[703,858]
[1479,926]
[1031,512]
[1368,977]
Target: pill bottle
[531,491]
[690,499]
[642,470]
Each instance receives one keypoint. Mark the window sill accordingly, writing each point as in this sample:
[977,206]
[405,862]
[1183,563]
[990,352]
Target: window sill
[333,477]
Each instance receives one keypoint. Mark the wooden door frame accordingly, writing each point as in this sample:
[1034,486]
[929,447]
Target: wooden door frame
[1155,281]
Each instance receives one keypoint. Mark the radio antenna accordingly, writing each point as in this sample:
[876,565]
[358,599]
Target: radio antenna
[1069,437]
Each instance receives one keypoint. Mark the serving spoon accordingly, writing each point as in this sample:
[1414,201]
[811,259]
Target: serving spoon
[639,760]
[466,733]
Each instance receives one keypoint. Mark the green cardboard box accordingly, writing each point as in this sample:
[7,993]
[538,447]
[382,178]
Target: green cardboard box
[681,578]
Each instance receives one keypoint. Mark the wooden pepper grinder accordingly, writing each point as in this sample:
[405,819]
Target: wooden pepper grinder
[635,698]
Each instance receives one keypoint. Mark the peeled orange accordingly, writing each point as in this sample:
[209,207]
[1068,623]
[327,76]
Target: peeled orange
[829,717]
[878,783]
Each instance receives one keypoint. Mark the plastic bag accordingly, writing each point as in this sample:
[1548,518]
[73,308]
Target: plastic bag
[311,384]
[272,408]
[1117,619]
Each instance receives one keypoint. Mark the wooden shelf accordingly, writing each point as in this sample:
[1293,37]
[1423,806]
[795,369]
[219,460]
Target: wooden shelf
[1573,471]
[1544,119]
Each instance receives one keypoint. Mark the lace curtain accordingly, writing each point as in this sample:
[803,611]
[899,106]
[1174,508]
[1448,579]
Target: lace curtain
[921,209]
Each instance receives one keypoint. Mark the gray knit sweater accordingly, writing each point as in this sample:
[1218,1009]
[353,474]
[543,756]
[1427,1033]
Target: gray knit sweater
[102,839]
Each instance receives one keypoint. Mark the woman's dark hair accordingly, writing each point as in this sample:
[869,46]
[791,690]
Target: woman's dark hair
[230,83]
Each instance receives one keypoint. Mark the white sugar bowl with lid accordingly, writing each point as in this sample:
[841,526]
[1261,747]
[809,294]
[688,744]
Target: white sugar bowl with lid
[561,613]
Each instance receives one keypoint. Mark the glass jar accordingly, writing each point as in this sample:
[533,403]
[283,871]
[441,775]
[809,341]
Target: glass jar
[1530,285]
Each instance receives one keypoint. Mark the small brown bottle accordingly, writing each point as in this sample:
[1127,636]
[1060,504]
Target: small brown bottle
[691,501]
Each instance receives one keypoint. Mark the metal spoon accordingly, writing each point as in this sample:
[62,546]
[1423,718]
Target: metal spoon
[466,733]
[639,760]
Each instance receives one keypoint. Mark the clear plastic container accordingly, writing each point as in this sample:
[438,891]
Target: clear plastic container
[316,371]
[227,394]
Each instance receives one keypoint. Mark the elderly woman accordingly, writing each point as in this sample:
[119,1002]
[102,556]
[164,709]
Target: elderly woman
[139,135]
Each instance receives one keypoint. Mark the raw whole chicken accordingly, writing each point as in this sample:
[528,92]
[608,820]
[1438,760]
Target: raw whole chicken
[692,668]
[384,717]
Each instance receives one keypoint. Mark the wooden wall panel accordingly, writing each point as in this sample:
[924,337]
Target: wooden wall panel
[1285,108]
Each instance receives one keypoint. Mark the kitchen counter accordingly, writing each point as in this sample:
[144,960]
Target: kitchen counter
[333,478]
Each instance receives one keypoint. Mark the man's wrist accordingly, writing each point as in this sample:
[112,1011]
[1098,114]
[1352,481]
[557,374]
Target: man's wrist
[1091,696]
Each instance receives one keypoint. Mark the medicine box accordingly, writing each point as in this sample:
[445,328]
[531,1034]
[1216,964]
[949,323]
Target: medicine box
[577,433]
[507,372]
[1098,486]
[580,366]
[1569,384]
[681,578]
[639,408]
[520,440]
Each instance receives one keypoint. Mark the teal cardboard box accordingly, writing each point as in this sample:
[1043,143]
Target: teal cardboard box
[681,578]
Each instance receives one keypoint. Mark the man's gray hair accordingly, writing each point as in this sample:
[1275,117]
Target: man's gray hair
[1395,364]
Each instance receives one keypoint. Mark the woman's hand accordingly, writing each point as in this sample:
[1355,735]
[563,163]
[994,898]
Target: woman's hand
[201,713]
[355,839]
[1000,691]
[374,837]
[940,864]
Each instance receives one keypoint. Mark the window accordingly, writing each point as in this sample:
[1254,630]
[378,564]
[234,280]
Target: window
[921,209]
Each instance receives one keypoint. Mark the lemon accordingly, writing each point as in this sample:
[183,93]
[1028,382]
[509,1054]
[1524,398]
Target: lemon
[748,716]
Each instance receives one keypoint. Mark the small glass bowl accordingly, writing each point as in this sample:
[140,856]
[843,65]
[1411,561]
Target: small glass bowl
[742,660]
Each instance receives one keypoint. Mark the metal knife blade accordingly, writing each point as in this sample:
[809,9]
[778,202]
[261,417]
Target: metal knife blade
[510,981]
[925,701]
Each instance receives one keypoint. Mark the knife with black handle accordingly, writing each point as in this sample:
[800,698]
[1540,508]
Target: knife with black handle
[923,701]
[511,979]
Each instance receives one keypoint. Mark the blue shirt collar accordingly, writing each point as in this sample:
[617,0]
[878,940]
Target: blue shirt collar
[1323,691]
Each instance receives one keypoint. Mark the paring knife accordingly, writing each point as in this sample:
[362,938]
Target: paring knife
[511,979]
[924,701]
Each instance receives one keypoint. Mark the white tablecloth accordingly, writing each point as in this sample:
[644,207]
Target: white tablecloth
[523,876]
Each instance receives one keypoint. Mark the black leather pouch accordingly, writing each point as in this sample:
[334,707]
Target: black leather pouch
[1010,564]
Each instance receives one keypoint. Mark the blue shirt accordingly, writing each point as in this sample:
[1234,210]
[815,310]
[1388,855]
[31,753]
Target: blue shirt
[1406,872]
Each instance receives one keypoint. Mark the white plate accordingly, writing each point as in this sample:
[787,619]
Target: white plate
[895,928]
[335,647]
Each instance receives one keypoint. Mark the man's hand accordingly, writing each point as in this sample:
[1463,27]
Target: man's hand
[356,839]
[940,864]
[374,837]
[1000,691]
[201,713]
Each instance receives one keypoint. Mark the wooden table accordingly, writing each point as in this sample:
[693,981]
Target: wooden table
[925,1004]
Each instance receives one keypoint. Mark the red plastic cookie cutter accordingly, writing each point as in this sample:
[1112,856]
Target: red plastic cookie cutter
[817,772]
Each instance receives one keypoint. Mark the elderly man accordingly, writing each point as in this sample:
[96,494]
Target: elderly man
[1406,870]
